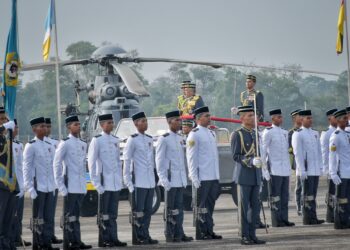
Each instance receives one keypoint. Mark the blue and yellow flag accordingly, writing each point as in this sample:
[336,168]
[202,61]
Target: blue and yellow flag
[340,34]
[11,66]
[50,20]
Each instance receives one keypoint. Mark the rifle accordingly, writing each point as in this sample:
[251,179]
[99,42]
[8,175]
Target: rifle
[100,222]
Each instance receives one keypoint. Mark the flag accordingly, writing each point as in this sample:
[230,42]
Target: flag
[50,20]
[11,66]
[340,36]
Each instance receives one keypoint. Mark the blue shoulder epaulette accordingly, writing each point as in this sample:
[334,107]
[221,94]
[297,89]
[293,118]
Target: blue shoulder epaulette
[166,134]
[337,132]
[268,128]
[195,129]
[134,135]
[298,130]
[82,140]
[115,136]
[148,136]
[97,136]
[67,138]
[32,141]
[47,142]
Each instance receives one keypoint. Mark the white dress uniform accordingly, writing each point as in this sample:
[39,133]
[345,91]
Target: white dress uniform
[325,136]
[70,159]
[339,154]
[170,156]
[202,155]
[139,159]
[275,149]
[104,157]
[307,148]
[17,148]
[37,162]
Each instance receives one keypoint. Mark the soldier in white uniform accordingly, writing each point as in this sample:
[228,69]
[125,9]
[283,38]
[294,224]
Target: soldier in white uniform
[203,166]
[348,114]
[308,158]
[339,170]
[17,149]
[39,182]
[325,136]
[139,165]
[275,153]
[171,169]
[70,169]
[105,169]
[54,143]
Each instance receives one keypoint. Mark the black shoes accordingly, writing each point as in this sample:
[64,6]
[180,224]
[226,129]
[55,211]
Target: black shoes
[84,246]
[215,236]
[258,242]
[289,224]
[55,240]
[23,243]
[186,238]
[260,225]
[254,241]
[205,237]
[119,243]
[152,241]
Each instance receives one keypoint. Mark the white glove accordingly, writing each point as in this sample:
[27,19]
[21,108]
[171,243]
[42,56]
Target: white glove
[20,194]
[64,191]
[100,190]
[131,188]
[257,162]
[336,180]
[9,125]
[303,176]
[33,194]
[196,184]
[167,186]
[266,174]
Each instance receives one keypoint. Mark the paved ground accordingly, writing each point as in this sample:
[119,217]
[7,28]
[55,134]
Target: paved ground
[298,237]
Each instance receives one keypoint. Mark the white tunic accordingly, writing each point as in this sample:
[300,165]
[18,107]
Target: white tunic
[70,160]
[325,136]
[202,155]
[339,154]
[139,159]
[104,157]
[170,155]
[17,149]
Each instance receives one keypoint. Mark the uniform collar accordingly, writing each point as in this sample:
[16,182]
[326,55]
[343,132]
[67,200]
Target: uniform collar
[37,139]
[302,127]
[171,132]
[73,137]
[247,129]
[105,134]
[201,127]
[274,126]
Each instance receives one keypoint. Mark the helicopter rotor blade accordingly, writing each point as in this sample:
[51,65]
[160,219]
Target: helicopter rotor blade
[131,80]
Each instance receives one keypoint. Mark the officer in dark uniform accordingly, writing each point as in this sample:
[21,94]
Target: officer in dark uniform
[296,125]
[8,183]
[247,97]
[189,101]
[248,175]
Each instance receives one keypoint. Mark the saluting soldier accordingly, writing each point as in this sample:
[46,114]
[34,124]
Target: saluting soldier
[39,182]
[54,143]
[308,158]
[139,162]
[105,169]
[248,175]
[339,169]
[171,169]
[325,136]
[70,170]
[247,97]
[189,101]
[275,147]
[297,123]
[203,166]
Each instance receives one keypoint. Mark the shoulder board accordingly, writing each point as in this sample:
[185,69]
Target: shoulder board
[66,139]
[115,136]
[166,134]
[16,141]
[53,139]
[47,142]
[96,136]
[336,132]
[134,135]
[268,128]
[196,97]
[314,130]
[298,130]
[148,136]
[82,140]
[195,129]
[32,141]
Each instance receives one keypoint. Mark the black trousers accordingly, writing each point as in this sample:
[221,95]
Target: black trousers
[143,203]
[7,208]
[110,202]
[279,198]
[73,212]
[42,211]
[53,215]
[309,199]
[249,207]
[298,193]
[174,225]
[209,192]
[17,220]
[330,196]
[342,211]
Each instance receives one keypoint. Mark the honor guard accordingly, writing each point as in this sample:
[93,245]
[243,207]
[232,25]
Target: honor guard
[248,175]
[189,101]
[139,177]
[105,169]
[297,123]
[187,126]
[325,136]
[247,97]
[339,170]
[54,143]
[203,166]
[17,151]
[275,147]
[171,169]
[308,158]
[70,170]
[39,182]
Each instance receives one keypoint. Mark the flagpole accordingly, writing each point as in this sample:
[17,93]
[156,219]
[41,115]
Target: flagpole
[347,47]
[58,92]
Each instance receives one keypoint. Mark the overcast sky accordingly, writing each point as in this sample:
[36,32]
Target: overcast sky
[266,32]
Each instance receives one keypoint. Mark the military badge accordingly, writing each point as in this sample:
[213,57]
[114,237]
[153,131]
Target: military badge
[333,148]
[191,143]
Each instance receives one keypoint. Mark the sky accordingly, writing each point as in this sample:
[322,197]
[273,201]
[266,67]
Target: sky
[265,32]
